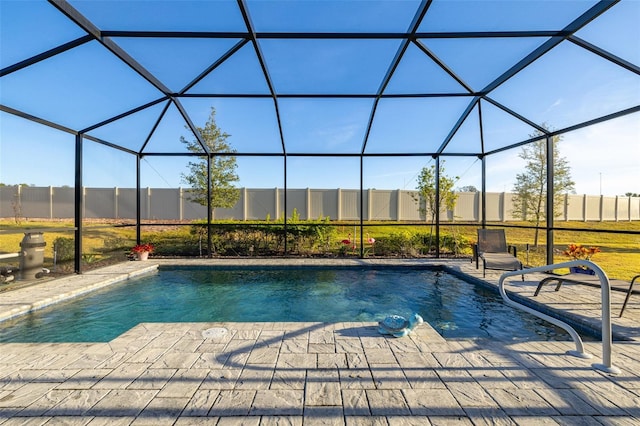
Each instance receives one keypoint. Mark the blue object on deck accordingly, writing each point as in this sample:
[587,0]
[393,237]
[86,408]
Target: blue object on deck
[398,326]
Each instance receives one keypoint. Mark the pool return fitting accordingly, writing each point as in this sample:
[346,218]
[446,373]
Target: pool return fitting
[605,287]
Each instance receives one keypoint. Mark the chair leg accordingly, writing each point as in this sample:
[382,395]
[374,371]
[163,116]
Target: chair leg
[546,281]
[521,268]
[626,299]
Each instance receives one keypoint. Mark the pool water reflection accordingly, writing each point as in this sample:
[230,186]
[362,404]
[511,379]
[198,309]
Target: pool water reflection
[455,308]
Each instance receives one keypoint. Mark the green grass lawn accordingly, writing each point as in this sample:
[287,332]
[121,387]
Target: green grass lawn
[620,256]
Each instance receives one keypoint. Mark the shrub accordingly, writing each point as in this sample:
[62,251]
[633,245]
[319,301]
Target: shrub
[115,244]
[64,248]
[397,243]
[449,243]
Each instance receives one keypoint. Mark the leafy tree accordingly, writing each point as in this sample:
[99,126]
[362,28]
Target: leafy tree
[427,192]
[531,186]
[223,168]
[631,194]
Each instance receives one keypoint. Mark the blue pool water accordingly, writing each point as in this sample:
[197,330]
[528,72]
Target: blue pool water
[455,308]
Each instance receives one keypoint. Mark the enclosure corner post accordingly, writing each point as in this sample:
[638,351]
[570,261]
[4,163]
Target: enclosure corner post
[209,208]
[285,205]
[78,206]
[138,200]
[550,207]
[483,195]
[438,207]
[362,207]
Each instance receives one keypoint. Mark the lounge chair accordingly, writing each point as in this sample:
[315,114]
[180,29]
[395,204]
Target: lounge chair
[492,249]
[592,281]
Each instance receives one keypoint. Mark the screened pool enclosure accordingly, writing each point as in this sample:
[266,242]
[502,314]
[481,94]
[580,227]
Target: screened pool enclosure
[332,95]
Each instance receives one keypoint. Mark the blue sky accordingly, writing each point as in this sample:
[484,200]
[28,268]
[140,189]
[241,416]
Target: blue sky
[86,85]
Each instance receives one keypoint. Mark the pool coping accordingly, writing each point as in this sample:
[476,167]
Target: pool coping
[21,301]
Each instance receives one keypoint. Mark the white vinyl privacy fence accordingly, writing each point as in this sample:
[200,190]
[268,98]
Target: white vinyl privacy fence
[260,204]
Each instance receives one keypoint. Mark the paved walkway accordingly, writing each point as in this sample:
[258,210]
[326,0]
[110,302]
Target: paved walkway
[309,373]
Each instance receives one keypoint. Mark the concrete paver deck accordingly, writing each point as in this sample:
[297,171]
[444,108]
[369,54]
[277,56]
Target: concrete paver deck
[309,373]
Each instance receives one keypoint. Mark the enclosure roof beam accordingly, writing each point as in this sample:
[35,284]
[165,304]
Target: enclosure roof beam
[515,114]
[442,65]
[124,114]
[215,65]
[310,154]
[155,126]
[458,124]
[80,20]
[595,11]
[326,95]
[334,35]
[61,128]
[45,55]
[598,120]
[256,46]
[618,114]
[38,120]
[413,27]
[109,144]
[194,129]
[604,54]
[578,23]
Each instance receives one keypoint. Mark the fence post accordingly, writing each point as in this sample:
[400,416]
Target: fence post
[503,212]
[399,205]
[179,203]
[50,202]
[584,207]
[179,194]
[601,208]
[17,208]
[277,195]
[308,200]
[245,204]
[115,202]
[339,203]
[369,204]
[149,203]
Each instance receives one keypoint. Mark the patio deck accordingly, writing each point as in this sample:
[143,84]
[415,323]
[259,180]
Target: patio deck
[313,373]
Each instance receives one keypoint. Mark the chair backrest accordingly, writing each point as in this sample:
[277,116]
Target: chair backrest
[492,241]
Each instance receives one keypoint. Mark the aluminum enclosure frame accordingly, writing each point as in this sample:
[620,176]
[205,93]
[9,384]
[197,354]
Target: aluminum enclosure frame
[108,39]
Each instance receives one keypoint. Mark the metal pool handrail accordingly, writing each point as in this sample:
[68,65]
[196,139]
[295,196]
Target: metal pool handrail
[606,311]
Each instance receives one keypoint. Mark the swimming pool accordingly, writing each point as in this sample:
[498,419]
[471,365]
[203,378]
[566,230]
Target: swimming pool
[455,308]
